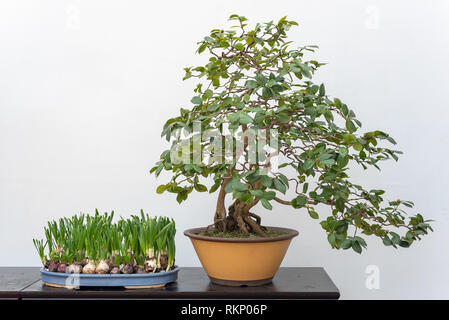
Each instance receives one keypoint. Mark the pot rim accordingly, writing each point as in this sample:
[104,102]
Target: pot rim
[193,234]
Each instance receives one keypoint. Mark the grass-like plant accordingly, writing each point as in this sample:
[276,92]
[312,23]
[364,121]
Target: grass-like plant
[96,244]
[255,82]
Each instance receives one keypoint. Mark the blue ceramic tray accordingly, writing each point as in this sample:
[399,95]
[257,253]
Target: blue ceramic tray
[129,281]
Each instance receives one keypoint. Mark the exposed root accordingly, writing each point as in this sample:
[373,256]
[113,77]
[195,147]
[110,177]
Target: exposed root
[210,226]
[219,221]
[258,219]
[242,225]
[238,218]
[255,227]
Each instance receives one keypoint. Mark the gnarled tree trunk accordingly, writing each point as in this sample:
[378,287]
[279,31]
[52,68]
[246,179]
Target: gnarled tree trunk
[238,218]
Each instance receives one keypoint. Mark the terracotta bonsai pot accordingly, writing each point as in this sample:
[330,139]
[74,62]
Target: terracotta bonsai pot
[241,261]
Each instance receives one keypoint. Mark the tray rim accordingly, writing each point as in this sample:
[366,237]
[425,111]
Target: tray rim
[109,275]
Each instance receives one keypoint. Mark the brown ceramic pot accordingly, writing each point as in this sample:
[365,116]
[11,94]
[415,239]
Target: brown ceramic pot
[241,261]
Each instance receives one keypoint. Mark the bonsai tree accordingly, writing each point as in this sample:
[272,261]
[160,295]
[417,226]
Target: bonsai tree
[253,82]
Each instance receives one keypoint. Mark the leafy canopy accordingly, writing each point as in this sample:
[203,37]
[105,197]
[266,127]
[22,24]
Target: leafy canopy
[254,80]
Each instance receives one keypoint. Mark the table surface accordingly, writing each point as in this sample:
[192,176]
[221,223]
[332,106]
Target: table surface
[14,279]
[193,283]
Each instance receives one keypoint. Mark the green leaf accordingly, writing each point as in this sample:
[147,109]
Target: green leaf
[343,151]
[200,188]
[299,202]
[261,79]
[357,146]
[308,164]
[340,204]
[244,118]
[213,107]
[322,90]
[356,247]
[328,162]
[197,100]
[215,187]
[208,94]
[249,40]
[266,181]
[305,186]
[228,188]
[331,239]
[161,188]
[328,115]
[408,204]
[350,126]
[239,46]
[266,94]
[257,193]
[395,238]
[251,84]
[313,214]
[361,241]
[266,204]
[284,179]
[233,117]
[269,195]
[239,186]
[349,138]
[279,185]
[202,48]
[346,244]
[282,118]
[305,70]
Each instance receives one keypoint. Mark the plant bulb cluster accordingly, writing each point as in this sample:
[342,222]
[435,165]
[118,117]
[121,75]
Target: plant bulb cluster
[97,245]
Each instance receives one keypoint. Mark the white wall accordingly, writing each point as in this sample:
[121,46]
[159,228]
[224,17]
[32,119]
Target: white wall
[85,87]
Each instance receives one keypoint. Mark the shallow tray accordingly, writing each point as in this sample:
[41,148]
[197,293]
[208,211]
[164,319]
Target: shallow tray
[129,281]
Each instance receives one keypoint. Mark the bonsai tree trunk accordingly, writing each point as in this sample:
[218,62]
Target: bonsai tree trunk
[238,216]
[220,212]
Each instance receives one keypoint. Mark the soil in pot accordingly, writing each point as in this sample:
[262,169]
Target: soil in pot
[237,234]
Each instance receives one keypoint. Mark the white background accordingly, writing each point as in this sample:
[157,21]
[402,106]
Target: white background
[85,87]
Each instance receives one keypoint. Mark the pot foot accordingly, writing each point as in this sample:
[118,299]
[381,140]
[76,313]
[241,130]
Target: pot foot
[241,283]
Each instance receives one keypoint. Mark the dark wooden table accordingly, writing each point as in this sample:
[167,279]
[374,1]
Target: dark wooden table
[289,283]
[15,279]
